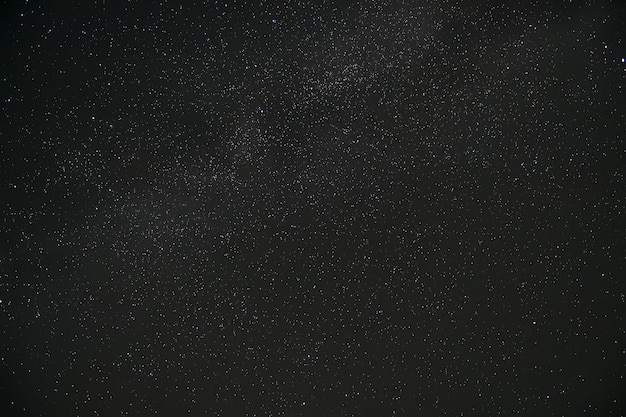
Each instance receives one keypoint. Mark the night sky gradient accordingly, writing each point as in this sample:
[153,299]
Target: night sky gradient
[375,208]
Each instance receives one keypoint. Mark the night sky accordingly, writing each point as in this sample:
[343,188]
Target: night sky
[383,208]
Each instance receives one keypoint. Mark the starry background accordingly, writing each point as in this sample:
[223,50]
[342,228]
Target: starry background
[409,208]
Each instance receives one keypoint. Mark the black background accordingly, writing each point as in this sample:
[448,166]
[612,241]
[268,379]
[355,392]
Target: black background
[312,209]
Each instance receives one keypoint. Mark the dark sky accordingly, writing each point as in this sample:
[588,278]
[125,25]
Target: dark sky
[384,208]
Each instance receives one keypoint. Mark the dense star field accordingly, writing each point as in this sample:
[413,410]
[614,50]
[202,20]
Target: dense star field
[377,208]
